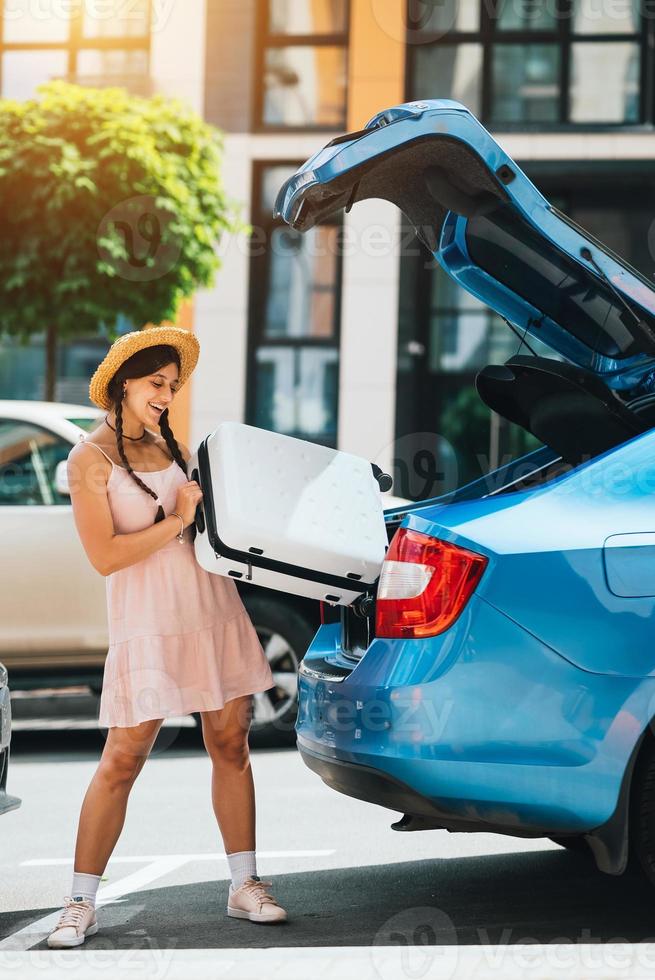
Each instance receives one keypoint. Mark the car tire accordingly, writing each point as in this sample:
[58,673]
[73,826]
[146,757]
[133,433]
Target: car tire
[642,816]
[285,634]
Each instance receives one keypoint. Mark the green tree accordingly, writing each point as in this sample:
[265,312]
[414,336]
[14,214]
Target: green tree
[111,204]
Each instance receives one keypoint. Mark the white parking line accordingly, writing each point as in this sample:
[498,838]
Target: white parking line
[157,866]
[559,961]
[34,862]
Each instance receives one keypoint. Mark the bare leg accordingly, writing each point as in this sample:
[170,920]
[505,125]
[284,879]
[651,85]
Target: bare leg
[103,810]
[225,734]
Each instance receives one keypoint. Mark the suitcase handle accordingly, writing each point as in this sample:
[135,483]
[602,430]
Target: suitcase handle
[384,479]
[199,519]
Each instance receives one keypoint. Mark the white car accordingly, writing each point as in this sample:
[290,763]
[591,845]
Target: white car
[53,613]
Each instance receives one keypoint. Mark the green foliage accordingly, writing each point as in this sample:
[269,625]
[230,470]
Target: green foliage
[465,423]
[110,204]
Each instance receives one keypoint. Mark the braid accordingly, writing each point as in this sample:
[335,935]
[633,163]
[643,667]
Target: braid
[167,432]
[121,451]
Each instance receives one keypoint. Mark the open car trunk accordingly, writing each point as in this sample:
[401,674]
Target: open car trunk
[499,238]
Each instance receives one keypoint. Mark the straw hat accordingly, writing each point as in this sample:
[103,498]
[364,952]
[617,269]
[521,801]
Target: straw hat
[185,342]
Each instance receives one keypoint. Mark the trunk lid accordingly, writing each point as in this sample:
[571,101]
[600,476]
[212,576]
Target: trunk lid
[492,231]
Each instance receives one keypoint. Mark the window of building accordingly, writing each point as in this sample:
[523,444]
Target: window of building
[535,63]
[295,287]
[22,364]
[301,64]
[94,44]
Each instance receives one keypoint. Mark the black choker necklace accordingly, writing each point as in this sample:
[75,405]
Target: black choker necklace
[133,438]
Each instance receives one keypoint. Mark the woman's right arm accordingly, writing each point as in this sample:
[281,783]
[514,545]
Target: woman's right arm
[107,551]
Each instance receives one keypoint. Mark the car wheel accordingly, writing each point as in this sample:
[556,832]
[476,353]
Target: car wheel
[642,816]
[285,634]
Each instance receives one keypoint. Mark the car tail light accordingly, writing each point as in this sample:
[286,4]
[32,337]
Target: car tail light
[424,584]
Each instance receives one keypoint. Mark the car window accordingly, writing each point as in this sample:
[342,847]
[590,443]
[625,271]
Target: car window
[88,424]
[28,459]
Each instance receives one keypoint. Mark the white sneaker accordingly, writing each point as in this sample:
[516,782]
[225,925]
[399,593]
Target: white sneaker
[252,901]
[76,922]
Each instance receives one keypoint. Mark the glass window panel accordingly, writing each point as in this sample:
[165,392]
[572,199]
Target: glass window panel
[307,16]
[606,16]
[272,179]
[448,15]
[24,20]
[624,223]
[446,294]
[97,64]
[605,82]
[449,72]
[117,19]
[467,341]
[296,390]
[525,87]
[305,86]
[302,283]
[75,361]
[88,424]
[22,367]
[22,71]
[28,460]
[464,333]
[526,15]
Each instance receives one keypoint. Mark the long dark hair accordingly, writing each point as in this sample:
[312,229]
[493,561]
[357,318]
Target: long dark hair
[144,362]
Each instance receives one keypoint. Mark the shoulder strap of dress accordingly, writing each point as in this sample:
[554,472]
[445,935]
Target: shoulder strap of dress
[88,443]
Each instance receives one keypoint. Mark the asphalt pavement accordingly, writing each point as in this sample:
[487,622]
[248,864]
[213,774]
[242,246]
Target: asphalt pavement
[346,879]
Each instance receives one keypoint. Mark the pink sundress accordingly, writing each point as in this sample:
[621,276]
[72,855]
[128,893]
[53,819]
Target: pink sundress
[180,638]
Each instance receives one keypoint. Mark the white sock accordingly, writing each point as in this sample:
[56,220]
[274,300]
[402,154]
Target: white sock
[242,865]
[85,886]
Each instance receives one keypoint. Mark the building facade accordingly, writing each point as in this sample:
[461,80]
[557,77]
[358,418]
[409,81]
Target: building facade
[350,335]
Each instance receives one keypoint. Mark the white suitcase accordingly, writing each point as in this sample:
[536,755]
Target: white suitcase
[288,514]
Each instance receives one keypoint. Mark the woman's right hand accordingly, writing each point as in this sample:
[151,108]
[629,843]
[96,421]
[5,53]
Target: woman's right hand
[188,497]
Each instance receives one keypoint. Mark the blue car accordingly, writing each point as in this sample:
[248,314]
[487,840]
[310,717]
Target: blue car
[501,674]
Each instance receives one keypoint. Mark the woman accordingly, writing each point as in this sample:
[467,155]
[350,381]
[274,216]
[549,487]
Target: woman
[180,639]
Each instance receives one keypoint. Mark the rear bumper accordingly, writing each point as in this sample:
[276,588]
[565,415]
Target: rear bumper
[365,783]
[373,785]
[481,728]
